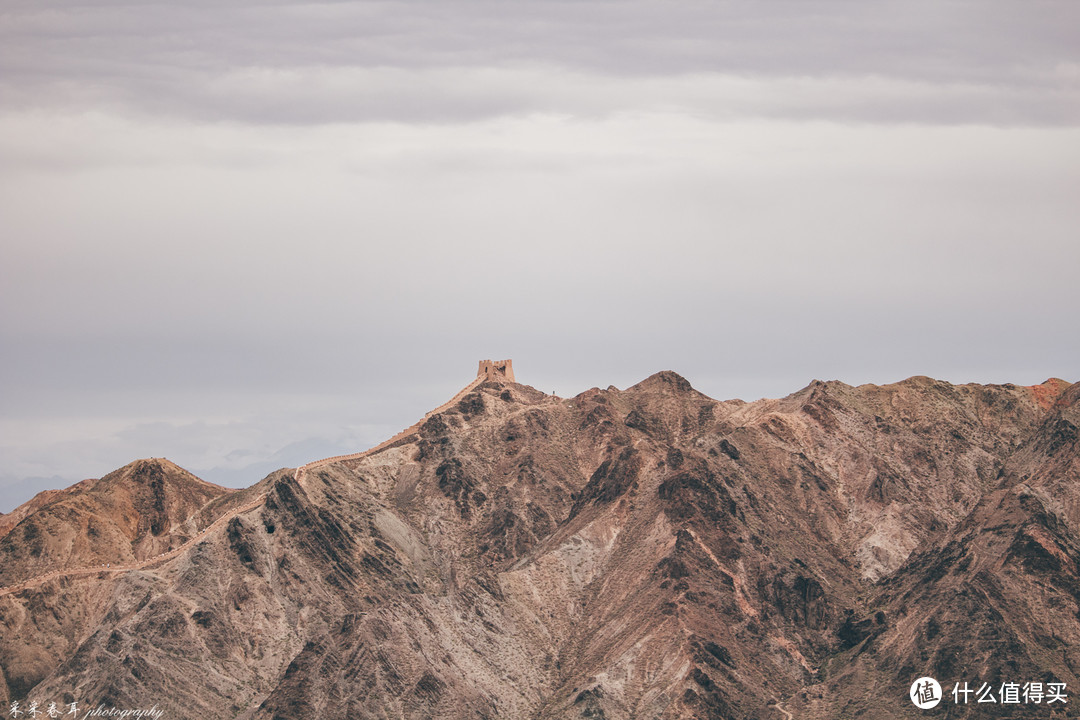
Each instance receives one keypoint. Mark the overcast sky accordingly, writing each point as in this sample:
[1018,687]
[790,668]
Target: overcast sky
[246,235]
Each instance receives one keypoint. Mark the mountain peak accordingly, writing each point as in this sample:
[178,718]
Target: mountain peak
[665,381]
[1049,392]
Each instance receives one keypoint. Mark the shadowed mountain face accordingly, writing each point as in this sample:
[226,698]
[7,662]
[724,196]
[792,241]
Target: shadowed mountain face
[647,553]
[137,511]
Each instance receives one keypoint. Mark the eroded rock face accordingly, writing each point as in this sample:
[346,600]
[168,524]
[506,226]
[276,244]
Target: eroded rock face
[647,553]
[139,511]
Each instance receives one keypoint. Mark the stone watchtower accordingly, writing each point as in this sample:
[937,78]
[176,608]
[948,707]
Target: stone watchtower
[496,370]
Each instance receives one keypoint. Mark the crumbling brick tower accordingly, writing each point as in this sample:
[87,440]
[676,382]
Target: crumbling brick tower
[496,370]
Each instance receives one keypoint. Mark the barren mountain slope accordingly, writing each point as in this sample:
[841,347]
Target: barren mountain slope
[647,553]
[136,512]
[993,601]
[39,501]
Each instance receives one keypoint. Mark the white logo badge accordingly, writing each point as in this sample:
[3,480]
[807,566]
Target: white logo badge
[925,693]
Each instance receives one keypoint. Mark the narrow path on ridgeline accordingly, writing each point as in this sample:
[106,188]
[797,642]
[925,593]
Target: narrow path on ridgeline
[488,370]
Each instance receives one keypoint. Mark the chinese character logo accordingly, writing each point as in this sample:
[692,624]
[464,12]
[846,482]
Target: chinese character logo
[925,693]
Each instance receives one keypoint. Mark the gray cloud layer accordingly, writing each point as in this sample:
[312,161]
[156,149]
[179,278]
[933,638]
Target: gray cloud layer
[241,234]
[984,62]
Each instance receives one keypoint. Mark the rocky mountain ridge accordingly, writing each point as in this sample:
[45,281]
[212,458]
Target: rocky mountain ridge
[646,553]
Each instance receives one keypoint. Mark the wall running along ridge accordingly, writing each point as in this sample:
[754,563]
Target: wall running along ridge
[488,370]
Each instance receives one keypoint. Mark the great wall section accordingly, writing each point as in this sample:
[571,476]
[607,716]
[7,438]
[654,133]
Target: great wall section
[487,370]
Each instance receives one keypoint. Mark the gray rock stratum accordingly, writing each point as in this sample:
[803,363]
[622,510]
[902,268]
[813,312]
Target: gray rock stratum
[645,553]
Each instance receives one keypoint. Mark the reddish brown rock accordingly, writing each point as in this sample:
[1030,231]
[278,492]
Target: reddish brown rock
[647,553]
